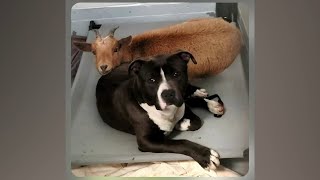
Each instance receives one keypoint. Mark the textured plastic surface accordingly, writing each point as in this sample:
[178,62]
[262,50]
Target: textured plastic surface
[92,141]
[107,13]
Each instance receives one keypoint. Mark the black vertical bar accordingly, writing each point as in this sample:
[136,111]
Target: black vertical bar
[228,11]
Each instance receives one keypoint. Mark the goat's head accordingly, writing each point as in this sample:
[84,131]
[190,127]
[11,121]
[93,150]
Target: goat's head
[108,50]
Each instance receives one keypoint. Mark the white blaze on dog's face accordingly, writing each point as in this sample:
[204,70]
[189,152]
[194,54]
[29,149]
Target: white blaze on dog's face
[162,88]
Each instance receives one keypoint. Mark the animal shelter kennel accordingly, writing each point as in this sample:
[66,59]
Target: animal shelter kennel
[93,141]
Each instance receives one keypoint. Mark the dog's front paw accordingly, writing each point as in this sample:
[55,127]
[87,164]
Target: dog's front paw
[214,160]
[200,93]
[183,125]
[210,161]
[215,105]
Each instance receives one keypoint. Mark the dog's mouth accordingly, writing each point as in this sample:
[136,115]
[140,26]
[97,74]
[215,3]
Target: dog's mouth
[176,103]
[169,98]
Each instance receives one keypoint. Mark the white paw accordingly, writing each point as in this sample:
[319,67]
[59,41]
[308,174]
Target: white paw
[214,160]
[200,93]
[183,125]
[215,107]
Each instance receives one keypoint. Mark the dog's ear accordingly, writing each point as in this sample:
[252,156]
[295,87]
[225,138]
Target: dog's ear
[83,46]
[135,66]
[186,56]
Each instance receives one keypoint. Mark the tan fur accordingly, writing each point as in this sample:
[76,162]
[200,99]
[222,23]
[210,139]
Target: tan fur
[213,42]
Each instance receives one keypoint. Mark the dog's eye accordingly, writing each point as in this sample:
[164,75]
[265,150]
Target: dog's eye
[115,50]
[176,74]
[151,80]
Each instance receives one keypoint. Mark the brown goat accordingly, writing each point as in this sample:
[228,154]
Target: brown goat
[213,42]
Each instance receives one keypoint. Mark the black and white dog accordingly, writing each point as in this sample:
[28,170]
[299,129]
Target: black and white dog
[151,98]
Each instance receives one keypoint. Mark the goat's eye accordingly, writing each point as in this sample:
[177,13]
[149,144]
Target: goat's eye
[176,74]
[115,50]
[152,80]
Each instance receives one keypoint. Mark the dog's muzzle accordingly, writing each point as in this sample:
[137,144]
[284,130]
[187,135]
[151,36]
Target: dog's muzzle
[171,98]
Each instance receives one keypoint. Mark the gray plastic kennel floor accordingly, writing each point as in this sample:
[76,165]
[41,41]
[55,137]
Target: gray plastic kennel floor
[92,141]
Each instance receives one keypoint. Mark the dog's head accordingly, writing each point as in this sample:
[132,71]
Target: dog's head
[162,80]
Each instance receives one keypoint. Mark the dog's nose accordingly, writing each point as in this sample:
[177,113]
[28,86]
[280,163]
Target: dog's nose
[103,68]
[168,94]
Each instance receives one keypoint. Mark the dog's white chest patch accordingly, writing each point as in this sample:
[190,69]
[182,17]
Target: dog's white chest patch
[167,118]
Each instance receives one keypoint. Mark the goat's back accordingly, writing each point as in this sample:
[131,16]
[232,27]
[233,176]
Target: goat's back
[214,43]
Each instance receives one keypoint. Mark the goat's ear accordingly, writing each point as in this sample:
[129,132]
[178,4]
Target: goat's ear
[135,67]
[186,56]
[83,46]
[125,41]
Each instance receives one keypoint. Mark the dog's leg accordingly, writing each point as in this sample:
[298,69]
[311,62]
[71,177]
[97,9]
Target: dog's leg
[194,91]
[212,103]
[189,122]
[207,158]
